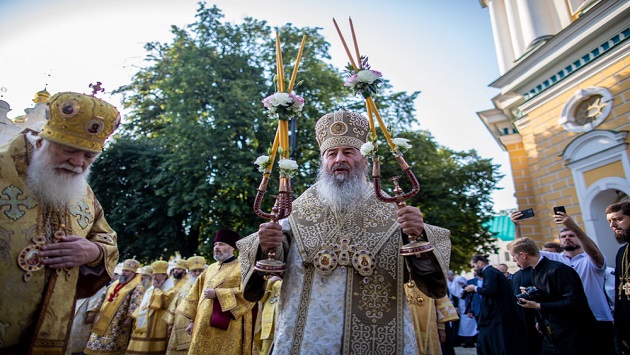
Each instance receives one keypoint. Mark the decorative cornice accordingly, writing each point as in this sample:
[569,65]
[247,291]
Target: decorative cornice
[579,63]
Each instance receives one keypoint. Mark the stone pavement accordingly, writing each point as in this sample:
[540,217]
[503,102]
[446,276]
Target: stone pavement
[465,351]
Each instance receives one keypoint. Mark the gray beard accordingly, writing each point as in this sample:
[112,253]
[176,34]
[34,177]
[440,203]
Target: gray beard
[221,257]
[146,283]
[52,189]
[122,279]
[192,279]
[341,192]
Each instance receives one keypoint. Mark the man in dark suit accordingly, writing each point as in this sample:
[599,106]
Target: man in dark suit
[523,278]
[566,318]
[473,300]
[500,326]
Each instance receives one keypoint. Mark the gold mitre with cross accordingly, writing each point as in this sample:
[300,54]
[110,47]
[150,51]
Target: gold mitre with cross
[160,267]
[131,265]
[196,262]
[341,128]
[181,264]
[80,121]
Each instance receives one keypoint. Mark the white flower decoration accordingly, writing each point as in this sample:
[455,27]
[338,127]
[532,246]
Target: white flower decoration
[367,149]
[368,76]
[288,167]
[402,144]
[262,162]
[283,105]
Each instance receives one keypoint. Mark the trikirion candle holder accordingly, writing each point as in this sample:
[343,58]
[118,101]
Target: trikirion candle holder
[283,106]
[362,80]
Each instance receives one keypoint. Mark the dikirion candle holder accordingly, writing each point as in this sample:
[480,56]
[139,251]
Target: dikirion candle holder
[283,106]
[365,81]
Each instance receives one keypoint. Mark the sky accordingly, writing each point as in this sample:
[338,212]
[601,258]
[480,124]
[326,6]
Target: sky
[443,48]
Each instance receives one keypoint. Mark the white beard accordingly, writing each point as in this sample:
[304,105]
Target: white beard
[343,191]
[192,279]
[51,188]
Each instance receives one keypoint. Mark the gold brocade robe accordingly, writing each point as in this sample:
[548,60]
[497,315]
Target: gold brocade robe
[84,308]
[266,320]
[179,341]
[37,306]
[428,316]
[225,278]
[149,333]
[113,335]
[342,291]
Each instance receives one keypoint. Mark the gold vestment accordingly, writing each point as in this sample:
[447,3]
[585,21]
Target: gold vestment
[37,303]
[225,278]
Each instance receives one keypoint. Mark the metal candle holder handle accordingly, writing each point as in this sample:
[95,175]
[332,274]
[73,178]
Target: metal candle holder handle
[283,201]
[280,210]
[414,247]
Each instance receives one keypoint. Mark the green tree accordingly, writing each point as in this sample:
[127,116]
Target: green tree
[183,166]
[122,179]
[454,193]
[198,100]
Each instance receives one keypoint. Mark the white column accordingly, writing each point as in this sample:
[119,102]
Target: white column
[516,34]
[563,12]
[538,19]
[501,31]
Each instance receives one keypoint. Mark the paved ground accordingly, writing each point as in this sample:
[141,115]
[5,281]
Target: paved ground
[465,351]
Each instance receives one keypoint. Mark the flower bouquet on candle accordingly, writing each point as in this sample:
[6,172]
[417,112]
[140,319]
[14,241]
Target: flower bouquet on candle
[283,105]
[363,80]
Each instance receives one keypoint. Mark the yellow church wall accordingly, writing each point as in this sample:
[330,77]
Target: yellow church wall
[541,180]
[612,169]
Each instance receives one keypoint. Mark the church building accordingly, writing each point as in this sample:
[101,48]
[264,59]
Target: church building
[563,109]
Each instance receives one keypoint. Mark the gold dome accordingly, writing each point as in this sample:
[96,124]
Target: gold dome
[41,96]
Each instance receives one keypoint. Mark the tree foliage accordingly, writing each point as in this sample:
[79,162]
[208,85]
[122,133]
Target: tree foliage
[183,165]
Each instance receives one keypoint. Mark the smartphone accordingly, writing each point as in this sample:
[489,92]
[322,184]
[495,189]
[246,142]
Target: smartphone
[557,209]
[528,213]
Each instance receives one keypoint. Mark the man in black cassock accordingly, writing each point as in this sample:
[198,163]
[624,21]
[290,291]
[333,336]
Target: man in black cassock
[501,330]
[533,338]
[618,216]
[566,318]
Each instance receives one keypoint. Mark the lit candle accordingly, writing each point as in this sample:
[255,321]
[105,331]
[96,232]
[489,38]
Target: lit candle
[297,64]
[345,46]
[354,39]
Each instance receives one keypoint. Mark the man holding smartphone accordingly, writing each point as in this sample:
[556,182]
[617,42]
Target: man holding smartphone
[582,254]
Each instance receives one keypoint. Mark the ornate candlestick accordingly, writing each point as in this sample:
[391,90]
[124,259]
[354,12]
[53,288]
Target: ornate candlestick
[365,81]
[282,106]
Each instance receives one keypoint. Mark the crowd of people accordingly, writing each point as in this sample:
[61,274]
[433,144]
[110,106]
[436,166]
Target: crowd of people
[565,307]
[346,288]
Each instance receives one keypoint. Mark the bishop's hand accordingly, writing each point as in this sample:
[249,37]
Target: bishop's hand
[410,220]
[70,251]
[270,235]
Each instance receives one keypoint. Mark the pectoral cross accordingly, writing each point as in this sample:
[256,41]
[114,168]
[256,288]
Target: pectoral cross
[626,288]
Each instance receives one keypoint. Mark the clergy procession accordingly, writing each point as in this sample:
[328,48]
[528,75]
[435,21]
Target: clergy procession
[342,268]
